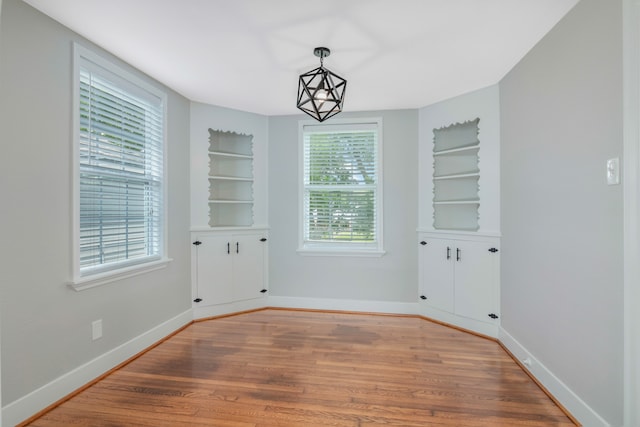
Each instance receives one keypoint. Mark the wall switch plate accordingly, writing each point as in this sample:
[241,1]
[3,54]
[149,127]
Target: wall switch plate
[613,171]
[96,329]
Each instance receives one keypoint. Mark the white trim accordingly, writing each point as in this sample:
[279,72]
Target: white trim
[343,305]
[81,51]
[326,250]
[490,329]
[75,164]
[471,237]
[337,249]
[145,90]
[229,308]
[571,401]
[234,229]
[631,191]
[457,234]
[387,307]
[37,400]
[119,274]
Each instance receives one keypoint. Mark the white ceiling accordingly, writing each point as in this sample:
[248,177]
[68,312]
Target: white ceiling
[247,54]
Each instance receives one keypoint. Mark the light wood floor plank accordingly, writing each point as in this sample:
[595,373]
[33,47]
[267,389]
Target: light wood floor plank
[293,368]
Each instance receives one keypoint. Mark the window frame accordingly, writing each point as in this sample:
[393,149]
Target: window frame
[375,249]
[98,276]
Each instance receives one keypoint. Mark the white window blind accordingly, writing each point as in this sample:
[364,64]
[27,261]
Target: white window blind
[120,149]
[341,185]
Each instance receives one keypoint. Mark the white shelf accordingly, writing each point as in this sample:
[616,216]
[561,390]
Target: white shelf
[230,155]
[230,178]
[457,176]
[464,229]
[457,202]
[230,143]
[461,150]
[231,201]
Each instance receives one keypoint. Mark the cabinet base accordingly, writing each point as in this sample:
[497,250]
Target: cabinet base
[230,308]
[490,329]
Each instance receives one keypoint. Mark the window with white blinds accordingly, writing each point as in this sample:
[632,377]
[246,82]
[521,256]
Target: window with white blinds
[341,192]
[120,168]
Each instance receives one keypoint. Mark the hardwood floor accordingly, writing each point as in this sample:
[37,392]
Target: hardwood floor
[294,368]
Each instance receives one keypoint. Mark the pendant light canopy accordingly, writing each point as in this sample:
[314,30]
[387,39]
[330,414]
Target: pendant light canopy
[320,91]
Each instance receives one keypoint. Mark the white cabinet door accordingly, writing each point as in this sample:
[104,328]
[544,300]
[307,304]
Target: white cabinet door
[214,269]
[229,267]
[460,276]
[475,278]
[436,273]
[248,266]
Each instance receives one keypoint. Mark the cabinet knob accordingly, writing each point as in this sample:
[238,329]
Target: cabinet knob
[197,243]
[264,239]
[423,297]
[493,250]
[493,315]
[197,300]
[263,291]
[423,243]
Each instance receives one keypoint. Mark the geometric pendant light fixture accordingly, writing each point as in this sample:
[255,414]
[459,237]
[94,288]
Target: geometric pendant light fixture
[320,91]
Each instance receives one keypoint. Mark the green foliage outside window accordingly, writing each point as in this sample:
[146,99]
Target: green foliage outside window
[341,184]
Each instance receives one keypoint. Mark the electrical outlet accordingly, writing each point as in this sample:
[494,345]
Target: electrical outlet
[96,329]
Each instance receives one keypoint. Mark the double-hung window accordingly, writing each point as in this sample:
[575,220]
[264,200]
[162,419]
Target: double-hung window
[341,187]
[119,172]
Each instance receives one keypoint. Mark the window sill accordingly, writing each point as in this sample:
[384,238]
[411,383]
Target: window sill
[100,279]
[341,252]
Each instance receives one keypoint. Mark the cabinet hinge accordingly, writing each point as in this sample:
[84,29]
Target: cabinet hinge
[423,297]
[423,243]
[197,243]
[493,250]
[493,315]
[197,300]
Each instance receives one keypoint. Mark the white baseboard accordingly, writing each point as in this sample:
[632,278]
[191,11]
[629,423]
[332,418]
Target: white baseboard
[485,328]
[232,307]
[567,398]
[388,307]
[25,407]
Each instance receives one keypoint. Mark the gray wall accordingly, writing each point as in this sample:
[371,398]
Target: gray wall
[392,277]
[562,226]
[562,247]
[46,326]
